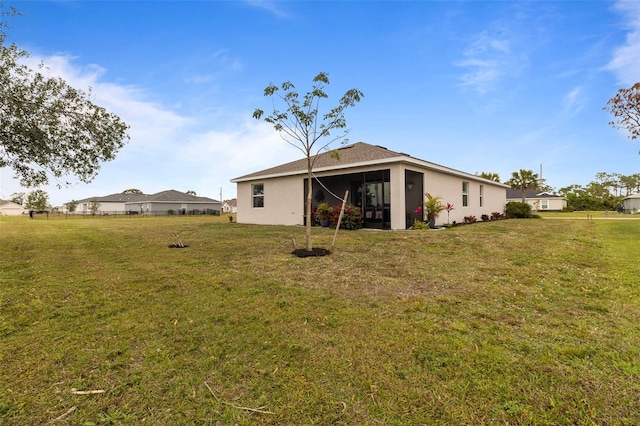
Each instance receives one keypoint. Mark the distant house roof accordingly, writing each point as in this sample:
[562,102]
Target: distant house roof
[9,204]
[232,202]
[632,196]
[164,196]
[173,196]
[114,198]
[357,154]
[517,193]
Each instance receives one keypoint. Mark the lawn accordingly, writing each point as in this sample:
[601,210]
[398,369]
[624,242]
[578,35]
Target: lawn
[509,322]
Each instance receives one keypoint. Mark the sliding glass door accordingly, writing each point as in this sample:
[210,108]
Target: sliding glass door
[373,195]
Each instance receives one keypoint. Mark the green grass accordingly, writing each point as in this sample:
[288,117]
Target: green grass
[587,215]
[509,322]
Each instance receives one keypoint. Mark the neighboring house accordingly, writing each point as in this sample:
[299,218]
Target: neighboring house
[230,206]
[156,204]
[109,204]
[179,202]
[538,200]
[631,203]
[9,208]
[388,186]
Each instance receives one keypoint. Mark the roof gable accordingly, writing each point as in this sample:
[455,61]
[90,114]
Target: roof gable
[172,195]
[115,198]
[163,196]
[350,155]
[9,204]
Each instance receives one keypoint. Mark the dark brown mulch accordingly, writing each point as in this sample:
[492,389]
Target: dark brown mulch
[314,252]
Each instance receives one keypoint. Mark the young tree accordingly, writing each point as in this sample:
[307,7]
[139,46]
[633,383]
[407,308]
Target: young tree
[523,180]
[94,206]
[71,206]
[625,107]
[302,126]
[48,128]
[37,200]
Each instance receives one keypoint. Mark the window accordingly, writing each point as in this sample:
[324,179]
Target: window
[481,194]
[545,204]
[465,194]
[257,195]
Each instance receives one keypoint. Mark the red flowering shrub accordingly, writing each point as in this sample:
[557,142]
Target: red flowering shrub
[351,219]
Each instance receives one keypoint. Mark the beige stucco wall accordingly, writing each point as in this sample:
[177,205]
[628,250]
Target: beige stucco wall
[283,202]
[11,209]
[554,204]
[449,187]
[284,196]
[105,207]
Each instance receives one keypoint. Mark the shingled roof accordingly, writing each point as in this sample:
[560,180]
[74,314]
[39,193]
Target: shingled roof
[358,154]
[174,196]
[350,155]
[164,196]
[115,198]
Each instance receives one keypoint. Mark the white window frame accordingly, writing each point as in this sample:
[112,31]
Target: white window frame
[257,195]
[465,194]
[481,195]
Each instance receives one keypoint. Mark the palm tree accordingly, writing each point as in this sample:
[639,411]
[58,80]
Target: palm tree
[524,180]
[491,176]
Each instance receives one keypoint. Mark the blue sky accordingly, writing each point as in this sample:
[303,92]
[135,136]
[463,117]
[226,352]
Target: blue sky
[491,86]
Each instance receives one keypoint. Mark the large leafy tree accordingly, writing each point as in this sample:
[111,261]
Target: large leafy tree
[625,107]
[37,200]
[302,125]
[48,128]
[523,180]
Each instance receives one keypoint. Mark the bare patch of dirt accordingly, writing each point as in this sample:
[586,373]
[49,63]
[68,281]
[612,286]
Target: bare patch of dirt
[314,252]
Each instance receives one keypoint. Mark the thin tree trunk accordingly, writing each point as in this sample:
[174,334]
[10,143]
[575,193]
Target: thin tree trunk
[309,199]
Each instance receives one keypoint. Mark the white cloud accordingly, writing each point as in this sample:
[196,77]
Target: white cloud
[625,63]
[273,7]
[488,58]
[574,101]
[167,150]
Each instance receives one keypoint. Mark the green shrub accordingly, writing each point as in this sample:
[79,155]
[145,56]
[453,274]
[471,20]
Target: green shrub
[418,224]
[518,210]
[351,219]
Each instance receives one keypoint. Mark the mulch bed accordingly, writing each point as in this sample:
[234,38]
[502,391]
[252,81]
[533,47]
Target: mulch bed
[314,252]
